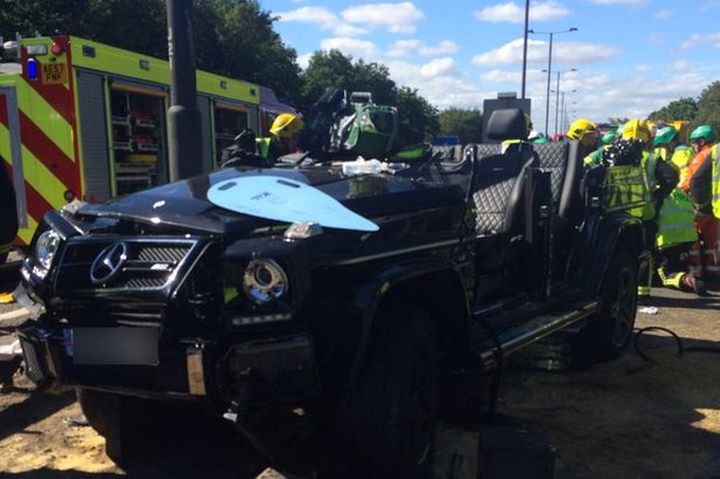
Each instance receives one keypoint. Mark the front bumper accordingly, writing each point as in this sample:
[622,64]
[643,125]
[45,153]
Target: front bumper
[273,370]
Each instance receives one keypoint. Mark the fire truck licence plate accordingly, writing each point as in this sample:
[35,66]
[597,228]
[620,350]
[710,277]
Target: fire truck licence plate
[54,73]
[115,346]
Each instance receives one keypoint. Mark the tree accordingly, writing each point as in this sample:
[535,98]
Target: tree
[234,38]
[709,106]
[682,109]
[333,69]
[418,118]
[462,122]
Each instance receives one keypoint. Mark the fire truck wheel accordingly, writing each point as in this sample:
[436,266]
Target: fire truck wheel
[388,420]
[610,330]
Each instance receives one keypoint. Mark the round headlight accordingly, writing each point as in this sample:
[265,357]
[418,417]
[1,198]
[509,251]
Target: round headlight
[264,281]
[46,248]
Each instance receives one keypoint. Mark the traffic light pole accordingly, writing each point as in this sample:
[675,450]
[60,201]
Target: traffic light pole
[183,116]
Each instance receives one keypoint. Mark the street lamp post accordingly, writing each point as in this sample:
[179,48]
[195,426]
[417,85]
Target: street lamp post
[549,72]
[557,95]
[525,45]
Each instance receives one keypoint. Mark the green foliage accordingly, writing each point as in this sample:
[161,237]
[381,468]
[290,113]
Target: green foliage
[232,37]
[462,122]
[333,69]
[682,109]
[418,118]
[709,107]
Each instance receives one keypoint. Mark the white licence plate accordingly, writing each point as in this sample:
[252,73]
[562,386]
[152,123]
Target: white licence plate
[115,346]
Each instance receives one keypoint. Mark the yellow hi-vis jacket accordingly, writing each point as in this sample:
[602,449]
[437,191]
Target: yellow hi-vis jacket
[676,221]
[681,157]
[715,158]
[631,186]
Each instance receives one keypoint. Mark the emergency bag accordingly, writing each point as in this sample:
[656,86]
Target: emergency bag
[370,130]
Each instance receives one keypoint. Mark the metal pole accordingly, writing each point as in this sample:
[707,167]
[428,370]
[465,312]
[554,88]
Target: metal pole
[562,113]
[547,97]
[557,101]
[525,47]
[183,116]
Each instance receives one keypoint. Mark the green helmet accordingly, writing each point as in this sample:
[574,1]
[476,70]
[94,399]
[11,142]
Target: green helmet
[705,132]
[609,137]
[665,135]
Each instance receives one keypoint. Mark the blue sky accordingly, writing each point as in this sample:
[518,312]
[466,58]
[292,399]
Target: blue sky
[631,56]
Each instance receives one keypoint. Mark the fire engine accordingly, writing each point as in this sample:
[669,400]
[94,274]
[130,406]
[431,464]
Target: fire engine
[80,119]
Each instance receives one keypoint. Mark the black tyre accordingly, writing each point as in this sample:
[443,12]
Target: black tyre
[130,426]
[388,420]
[609,331]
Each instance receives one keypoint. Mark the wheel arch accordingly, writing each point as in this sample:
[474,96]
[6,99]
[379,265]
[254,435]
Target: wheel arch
[436,285]
[613,233]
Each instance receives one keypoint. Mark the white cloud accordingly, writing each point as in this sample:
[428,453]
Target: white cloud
[395,17]
[664,14]
[515,13]
[442,48]
[351,46]
[439,67]
[504,76]
[643,68]
[620,2]
[566,53]
[401,48]
[681,65]
[655,38]
[323,18]
[712,39]
[304,60]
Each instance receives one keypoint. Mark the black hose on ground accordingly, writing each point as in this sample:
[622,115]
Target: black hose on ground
[681,348]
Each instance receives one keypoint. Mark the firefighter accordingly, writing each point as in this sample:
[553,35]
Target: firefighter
[285,133]
[8,212]
[670,149]
[659,180]
[676,218]
[585,132]
[698,184]
[595,158]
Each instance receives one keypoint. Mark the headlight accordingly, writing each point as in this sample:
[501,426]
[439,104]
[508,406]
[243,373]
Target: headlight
[45,249]
[264,281]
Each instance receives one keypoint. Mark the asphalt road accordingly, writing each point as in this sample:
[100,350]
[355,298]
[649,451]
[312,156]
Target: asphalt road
[625,419]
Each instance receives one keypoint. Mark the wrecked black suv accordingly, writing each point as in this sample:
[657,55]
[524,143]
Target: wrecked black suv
[275,326]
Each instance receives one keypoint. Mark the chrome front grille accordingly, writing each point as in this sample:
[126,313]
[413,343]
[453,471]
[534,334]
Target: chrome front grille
[147,264]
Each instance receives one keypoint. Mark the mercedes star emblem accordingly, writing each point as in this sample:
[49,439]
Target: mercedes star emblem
[109,263]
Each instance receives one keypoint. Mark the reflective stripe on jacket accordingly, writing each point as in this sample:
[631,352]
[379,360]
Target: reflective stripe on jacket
[263,146]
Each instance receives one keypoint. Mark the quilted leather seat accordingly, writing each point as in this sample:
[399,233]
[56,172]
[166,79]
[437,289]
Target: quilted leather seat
[498,184]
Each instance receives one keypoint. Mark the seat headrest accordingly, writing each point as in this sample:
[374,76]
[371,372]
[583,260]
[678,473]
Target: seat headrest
[507,124]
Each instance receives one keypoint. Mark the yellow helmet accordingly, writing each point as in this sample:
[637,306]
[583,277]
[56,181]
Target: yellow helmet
[636,129]
[580,128]
[286,125]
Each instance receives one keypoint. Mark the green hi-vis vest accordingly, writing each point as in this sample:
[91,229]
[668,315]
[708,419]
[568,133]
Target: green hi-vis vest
[629,187]
[676,221]
[263,146]
[595,158]
[715,158]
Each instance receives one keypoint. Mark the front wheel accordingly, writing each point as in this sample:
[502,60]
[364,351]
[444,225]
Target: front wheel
[388,420]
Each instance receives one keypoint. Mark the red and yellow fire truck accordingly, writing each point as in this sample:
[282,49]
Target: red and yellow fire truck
[79,119]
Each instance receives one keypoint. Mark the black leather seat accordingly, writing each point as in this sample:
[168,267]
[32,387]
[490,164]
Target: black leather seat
[563,162]
[498,184]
